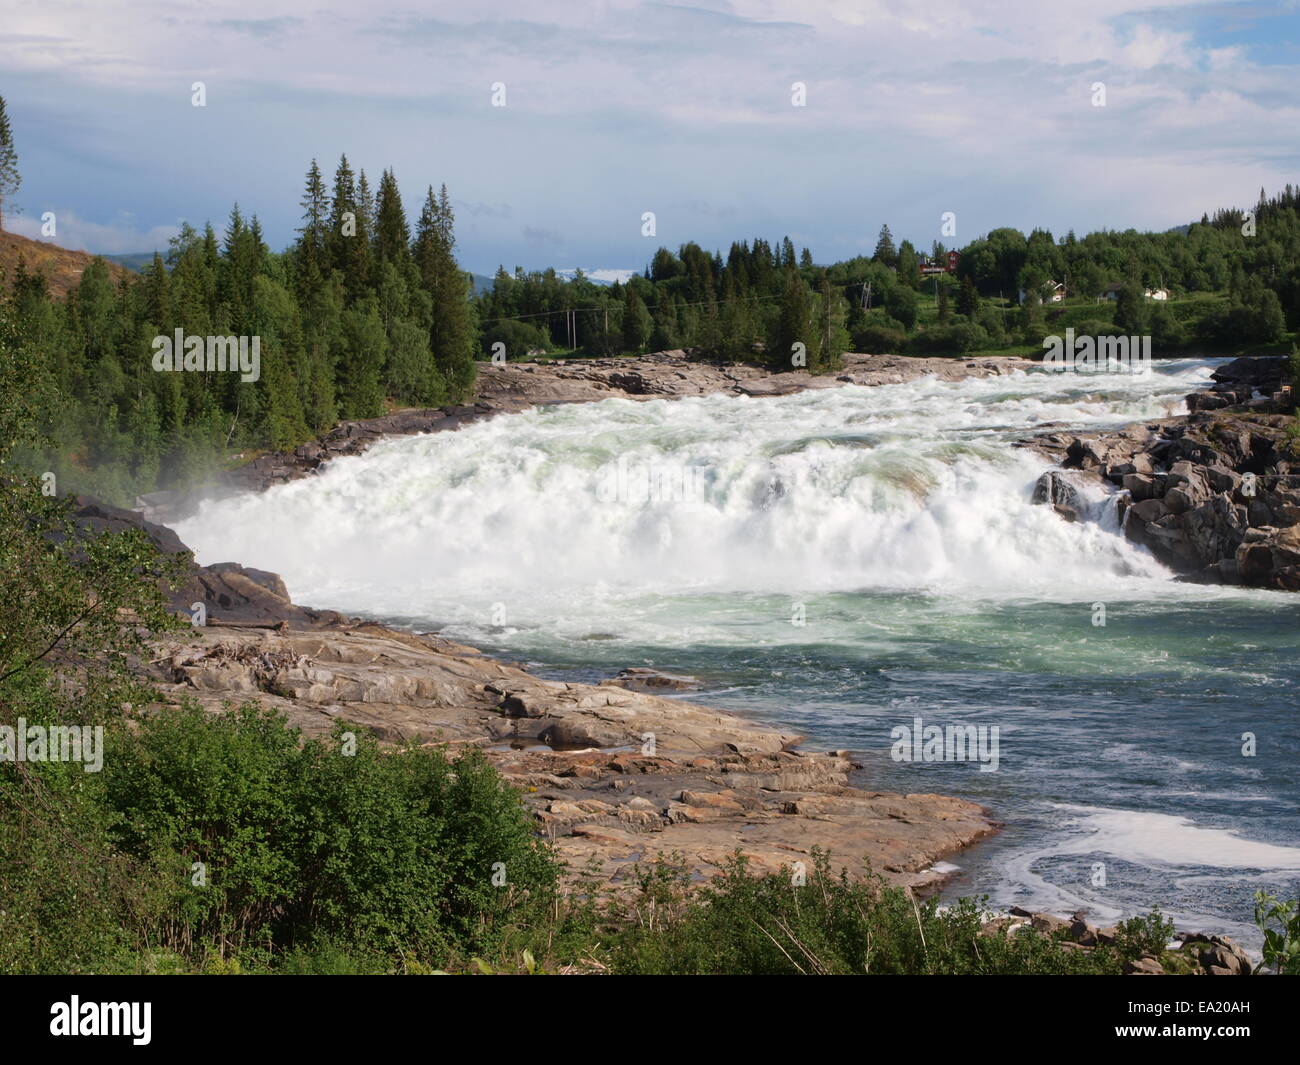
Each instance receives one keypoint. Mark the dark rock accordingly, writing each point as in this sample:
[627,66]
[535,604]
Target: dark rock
[570,734]
[641,679]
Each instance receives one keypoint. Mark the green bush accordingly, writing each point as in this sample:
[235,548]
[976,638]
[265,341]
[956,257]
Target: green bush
[747,924]
[955,337]
[299,842]
[519,338]
[1281,944]
[879,340]
[1145,934]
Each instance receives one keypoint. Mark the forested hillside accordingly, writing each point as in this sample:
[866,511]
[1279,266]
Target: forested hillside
[1232,280]
[358,312]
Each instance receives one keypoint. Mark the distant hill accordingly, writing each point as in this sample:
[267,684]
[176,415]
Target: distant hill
[135,261]
[62,268]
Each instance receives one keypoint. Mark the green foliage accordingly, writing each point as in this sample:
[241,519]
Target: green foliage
[354,314]
[747,924]
[1144,934]
[1282,943]
[954,338]
[795,340]
[301,841]
[874,339]
[10,179]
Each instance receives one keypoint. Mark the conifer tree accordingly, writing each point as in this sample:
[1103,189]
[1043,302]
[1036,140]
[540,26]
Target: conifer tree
[392,233]
[349,231]
[453,332]
[885,251]
[795,325]
[637,324]
[968,298]
[10,179]
[157,297]
[311,242]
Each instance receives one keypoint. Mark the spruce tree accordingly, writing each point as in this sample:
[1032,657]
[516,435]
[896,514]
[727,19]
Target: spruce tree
[157,297]
[885,251]
[795,325]
[968,298]
[392,233]
[452,331]
[10,179]
[311,241]
[349,230]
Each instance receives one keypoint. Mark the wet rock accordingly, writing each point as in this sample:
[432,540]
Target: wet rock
[641,679]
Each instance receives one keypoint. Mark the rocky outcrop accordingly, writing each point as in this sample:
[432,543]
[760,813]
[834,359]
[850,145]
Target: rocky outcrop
[612,776]
[230,593]
[1239,383]
[1191,953]
[612,772]
[1215,495]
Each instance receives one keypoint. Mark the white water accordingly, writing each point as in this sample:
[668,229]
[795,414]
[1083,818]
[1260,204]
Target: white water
[900,487]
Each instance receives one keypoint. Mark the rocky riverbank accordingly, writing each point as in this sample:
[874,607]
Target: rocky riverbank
[611,775]
[1214,494]
[614,773]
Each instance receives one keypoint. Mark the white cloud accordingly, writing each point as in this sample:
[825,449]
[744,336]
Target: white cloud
[121,236]
[954,100]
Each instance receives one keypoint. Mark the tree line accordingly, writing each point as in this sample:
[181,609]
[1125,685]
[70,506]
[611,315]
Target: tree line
[756,302]
[358,313]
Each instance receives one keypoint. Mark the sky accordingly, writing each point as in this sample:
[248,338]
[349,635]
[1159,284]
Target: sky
[614,109]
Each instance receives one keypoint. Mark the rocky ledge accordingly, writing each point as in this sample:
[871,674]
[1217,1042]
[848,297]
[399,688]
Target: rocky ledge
[1214,494]
[611,775]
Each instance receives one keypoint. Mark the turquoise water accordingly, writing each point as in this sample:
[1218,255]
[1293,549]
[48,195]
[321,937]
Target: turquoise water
[841,563]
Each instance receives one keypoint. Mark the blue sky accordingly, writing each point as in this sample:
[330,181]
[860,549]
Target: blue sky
[617,108]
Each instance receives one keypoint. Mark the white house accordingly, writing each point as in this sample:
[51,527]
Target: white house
[1156,294]
[1053,292]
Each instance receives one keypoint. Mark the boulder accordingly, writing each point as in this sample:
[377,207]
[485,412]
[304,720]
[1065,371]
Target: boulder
[578,733]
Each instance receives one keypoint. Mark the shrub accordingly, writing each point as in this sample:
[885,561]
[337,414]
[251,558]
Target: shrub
[1281,944]
[747,924]
[519,338]
[1144,934]
[303,842]
[957,336]
[879,340]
